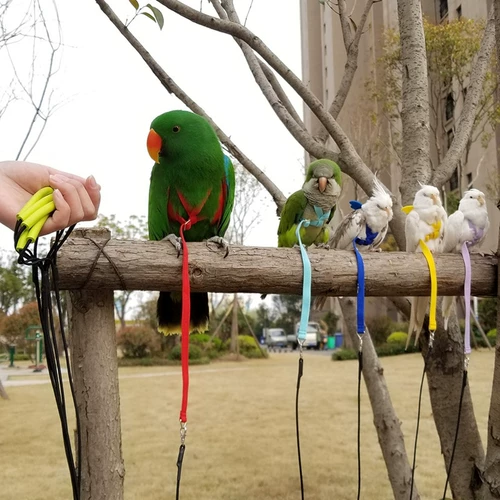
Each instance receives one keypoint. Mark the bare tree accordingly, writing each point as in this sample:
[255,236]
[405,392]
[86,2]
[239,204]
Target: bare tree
[467,480]
[30,47]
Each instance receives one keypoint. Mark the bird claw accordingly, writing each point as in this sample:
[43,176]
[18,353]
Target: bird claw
[221,242]
[326,246]
[175,241]
[375,249]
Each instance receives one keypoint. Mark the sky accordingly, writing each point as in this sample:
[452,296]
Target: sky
[108,97]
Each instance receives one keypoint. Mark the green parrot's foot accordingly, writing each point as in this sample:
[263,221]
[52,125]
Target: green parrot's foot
[326,246]
[175,241]
[221,243]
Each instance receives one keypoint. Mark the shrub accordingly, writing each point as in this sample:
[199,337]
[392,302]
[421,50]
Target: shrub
[397,338]
[344,354]
[247,347]
[380,328]
[138,341]
[492,336]
[195,352]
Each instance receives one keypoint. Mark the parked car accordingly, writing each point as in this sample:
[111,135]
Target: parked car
[313,336]
[275,337]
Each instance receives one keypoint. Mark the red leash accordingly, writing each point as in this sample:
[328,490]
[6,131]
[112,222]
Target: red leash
[185,320]
[186,315]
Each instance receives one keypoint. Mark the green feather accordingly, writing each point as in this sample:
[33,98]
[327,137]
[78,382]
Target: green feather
[297,204]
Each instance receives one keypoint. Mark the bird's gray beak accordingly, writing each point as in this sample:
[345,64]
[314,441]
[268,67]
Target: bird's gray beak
[322,182]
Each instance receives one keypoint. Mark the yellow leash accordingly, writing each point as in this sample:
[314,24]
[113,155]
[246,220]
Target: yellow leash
[432,271]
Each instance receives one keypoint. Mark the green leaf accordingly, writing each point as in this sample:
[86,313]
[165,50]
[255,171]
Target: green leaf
[147,14]
[158,15]
[135,4]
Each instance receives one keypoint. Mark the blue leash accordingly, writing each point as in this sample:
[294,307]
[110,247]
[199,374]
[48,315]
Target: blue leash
[304,318]
[360,329]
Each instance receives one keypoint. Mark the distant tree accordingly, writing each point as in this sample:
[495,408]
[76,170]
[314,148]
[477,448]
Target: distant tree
[14,326]
[487,309]
[135,227]
[288,308]
[30,55]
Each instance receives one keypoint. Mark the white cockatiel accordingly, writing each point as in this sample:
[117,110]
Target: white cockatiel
[426,221]
[367,224]
[469,223]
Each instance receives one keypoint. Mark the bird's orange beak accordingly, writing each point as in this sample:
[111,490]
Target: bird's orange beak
[434,199]
[154,144]
[481,200]
[322,184]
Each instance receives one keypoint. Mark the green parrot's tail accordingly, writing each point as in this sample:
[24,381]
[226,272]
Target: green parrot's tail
[169,312]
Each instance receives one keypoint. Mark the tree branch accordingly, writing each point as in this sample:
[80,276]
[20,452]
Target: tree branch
[467,117]
[415,113]
[173,88]
[152,265]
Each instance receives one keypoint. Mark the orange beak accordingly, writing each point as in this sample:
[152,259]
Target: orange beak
[322,184]
[154,144]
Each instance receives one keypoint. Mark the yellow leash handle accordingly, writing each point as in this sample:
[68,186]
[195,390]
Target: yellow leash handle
[32,217]
[432,271]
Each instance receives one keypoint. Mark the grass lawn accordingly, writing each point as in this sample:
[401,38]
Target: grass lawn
[241,431]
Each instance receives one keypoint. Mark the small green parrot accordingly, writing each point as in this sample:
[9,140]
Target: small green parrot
[315,201]
[191,179]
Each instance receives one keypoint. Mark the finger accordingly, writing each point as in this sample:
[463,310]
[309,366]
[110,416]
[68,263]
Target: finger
[94,192]
[74,194]
[60,218]
[82,205]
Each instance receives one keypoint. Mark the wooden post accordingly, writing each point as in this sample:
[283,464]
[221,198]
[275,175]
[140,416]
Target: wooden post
[95,374]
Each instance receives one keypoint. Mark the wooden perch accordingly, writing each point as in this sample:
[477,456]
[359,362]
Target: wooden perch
[152,265]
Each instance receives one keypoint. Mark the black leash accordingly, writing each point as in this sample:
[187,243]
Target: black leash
[45,279]
[462,390]
[360,371]
[419,408]
[299,376]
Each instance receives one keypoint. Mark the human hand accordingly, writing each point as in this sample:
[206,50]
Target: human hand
[76,199]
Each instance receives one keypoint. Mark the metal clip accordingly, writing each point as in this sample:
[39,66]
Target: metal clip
[466,363]
[183,431]
[301,345]
[360,337]
[431,338]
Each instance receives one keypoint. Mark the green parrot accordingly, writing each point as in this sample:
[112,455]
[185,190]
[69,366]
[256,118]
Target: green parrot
[191,179]
[315,201]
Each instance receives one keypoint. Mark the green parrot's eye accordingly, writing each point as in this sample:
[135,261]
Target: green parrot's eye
[176,129]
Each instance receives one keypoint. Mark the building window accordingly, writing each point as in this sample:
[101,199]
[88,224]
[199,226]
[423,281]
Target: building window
[443,8]
[454,180]
[325,50]
[324,28]
[459,12]
[326,72]
[469,180]
[449,138]
[450,105]
[326,95]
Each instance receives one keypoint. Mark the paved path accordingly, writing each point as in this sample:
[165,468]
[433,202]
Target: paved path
[5,373]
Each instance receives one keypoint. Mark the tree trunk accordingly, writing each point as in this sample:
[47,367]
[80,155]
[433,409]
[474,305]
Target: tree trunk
[444,377]
[95,372]
[415,165]
[235,348]
[491,475]
[386,421]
